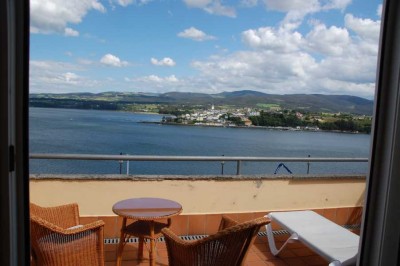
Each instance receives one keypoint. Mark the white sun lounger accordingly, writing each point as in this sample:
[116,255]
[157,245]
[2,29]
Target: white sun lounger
[336,244]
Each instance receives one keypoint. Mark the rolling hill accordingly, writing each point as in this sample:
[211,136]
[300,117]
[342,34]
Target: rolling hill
[244,98]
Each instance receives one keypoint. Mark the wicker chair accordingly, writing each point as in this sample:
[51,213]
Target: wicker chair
[227,247]
[58,239]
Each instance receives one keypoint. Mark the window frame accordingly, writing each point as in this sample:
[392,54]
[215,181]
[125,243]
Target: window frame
[380,234]
[14,171]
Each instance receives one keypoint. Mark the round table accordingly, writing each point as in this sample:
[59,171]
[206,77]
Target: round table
[145,211]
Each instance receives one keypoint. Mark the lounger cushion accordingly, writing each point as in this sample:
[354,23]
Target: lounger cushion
[328,239]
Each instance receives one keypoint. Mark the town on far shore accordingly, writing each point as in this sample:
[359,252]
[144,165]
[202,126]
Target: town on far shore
[271,116]
[339,113]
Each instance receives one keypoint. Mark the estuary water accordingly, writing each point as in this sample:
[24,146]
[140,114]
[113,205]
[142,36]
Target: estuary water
[112,133]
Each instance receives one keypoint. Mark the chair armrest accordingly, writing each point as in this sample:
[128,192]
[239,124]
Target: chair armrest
[56,229]
[227,222]
[173,237]
[90,226]
[63,216]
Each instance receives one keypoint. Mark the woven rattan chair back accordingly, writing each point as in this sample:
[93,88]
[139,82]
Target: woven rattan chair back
[228,247]
[58,239]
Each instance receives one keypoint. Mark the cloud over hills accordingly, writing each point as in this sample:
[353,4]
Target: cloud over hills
[112,60]
[53,16]
[287,47]
[195,34]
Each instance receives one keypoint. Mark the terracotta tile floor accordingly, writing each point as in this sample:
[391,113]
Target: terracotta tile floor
[259,254]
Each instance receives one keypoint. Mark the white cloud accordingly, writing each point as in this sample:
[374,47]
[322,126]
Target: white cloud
[327,60]
[336,4]
[71,32]
[257,70]
[70,77]
[355,69]
[366,29]
[157,83]
[94,37]
[379,10]
[328,41]
[286,74]
[172,78]
[112,60]
[283,59]
[214,7]
[278,40]
[62,77]
[292,5]
[305,7]
[195,34]
[249,3]
[53,65]
[84,61]
[157,79]
[53,16]
[197,3]
[52,76]
[296,10]
[125,3]
[166,61]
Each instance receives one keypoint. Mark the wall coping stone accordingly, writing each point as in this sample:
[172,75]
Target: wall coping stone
[99,177]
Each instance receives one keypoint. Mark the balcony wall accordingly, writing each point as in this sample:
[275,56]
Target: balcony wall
[205,198]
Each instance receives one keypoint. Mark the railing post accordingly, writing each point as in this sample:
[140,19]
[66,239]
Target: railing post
[238,167]
[120,164]
[308,165]
[127,166]
[222,166]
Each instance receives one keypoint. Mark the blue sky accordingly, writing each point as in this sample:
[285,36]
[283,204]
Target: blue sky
[272,46]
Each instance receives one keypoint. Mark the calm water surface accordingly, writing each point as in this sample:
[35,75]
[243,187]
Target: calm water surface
[104,132]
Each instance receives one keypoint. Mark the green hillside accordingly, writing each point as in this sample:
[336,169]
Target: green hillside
[245,98]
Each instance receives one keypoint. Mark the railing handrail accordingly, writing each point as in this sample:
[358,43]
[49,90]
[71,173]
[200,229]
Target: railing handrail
[64,156]
[222,159]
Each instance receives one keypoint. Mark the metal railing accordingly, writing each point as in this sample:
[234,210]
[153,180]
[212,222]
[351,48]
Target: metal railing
[222,159]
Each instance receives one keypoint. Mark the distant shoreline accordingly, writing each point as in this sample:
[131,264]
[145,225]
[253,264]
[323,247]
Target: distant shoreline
[202,125]
[240,98]
[83,109]
[252,127]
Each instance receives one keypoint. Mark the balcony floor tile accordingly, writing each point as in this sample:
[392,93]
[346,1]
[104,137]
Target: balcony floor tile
[295,254]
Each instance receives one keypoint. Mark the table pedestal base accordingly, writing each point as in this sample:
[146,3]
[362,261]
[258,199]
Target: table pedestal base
[143,230]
